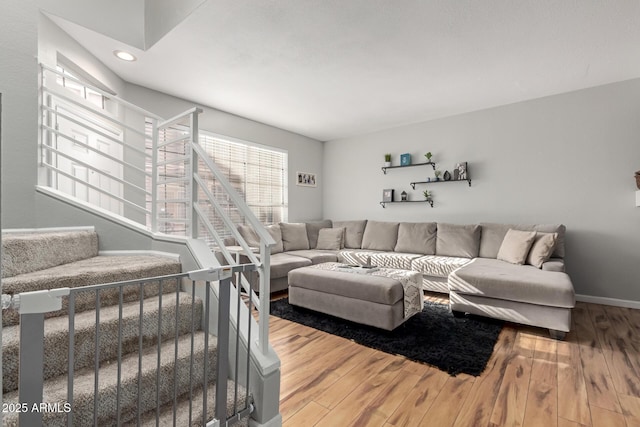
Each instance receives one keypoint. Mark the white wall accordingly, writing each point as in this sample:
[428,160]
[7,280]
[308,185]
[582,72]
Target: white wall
[305,154]
[563,159]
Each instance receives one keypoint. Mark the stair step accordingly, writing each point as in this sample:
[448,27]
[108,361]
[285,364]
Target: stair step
[92,271]
[182,409]
[56,342]
[55,390]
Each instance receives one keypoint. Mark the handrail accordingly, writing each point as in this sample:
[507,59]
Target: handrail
[177,117]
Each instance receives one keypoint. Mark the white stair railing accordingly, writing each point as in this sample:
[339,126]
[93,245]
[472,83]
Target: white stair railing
[121,160]
[183,177]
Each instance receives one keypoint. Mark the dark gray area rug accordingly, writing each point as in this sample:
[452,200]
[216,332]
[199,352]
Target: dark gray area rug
[434,336]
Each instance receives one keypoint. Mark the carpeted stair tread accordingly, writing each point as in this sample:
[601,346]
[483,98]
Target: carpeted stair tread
[182,409]
[55,390]
[27,252]
[92,271]
[57,339]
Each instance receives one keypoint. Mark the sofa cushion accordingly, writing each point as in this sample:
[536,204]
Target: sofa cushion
[330,239]
[380,236]
[251,237]
[378,258]
[294,236]
[316,256]
[353,234]
[458,240]
[493,234]
[417,237]
[437,266]
[283,263]
[515,246]
[524,283]
[313,228]
[355,256]
[542,248]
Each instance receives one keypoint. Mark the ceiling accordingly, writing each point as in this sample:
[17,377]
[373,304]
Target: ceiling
[332,69]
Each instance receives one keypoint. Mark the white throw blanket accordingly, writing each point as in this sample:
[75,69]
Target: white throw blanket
[410,280]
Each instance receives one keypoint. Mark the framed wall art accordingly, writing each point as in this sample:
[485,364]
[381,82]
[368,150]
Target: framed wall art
[306,179]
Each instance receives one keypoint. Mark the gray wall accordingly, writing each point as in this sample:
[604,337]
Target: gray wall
[565,159]
[18,85]
[305,154]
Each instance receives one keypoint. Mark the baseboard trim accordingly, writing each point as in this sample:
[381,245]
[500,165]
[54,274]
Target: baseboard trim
[608,301]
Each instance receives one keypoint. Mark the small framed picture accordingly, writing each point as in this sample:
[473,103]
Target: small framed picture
[460,172]
[405,159]
[387,195]
[306,179]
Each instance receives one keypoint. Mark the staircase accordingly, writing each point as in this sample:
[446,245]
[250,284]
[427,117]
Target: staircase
[139,353]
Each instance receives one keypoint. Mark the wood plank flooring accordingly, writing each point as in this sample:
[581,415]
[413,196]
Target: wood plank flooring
[590,379]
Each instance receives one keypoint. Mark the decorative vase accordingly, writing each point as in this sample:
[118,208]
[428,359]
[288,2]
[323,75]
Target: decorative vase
[638,180]
[387,164]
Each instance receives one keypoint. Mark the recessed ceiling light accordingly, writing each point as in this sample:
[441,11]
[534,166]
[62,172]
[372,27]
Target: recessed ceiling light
[125,56]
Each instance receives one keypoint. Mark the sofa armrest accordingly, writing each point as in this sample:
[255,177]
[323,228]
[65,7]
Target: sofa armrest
[554,264]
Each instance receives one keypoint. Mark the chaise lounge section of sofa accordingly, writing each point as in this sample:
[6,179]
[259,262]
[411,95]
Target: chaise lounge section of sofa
[513,272]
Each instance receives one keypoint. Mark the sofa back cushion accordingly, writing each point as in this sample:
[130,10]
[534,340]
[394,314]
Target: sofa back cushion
[417,238]
[458,240]
[294,236]
[354,231]
[380,236]
[313,228]
[493,235]
[252,239]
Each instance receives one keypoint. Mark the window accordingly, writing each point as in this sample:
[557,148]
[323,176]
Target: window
[71,82]
[257,173]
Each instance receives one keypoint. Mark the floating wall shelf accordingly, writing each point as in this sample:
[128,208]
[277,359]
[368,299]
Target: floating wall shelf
[384,168]
[413,184]
[430,201]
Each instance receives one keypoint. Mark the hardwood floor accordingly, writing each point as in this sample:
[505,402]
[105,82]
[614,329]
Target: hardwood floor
[590,379]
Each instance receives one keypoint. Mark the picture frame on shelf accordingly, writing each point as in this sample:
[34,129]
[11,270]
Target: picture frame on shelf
[387,195]
[460,172]
[306,179]
[405,159]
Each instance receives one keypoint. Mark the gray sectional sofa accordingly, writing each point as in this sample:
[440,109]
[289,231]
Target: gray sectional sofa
[512,272]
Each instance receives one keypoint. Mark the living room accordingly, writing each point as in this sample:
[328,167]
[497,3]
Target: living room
[566,156]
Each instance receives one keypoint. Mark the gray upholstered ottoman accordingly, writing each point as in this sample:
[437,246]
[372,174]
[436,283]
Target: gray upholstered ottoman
[384,298]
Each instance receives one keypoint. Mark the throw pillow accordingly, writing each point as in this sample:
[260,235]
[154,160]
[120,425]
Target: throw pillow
[330,238]
[516,245]
[542,248]
[353,233]
[313,228]
[294,236]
